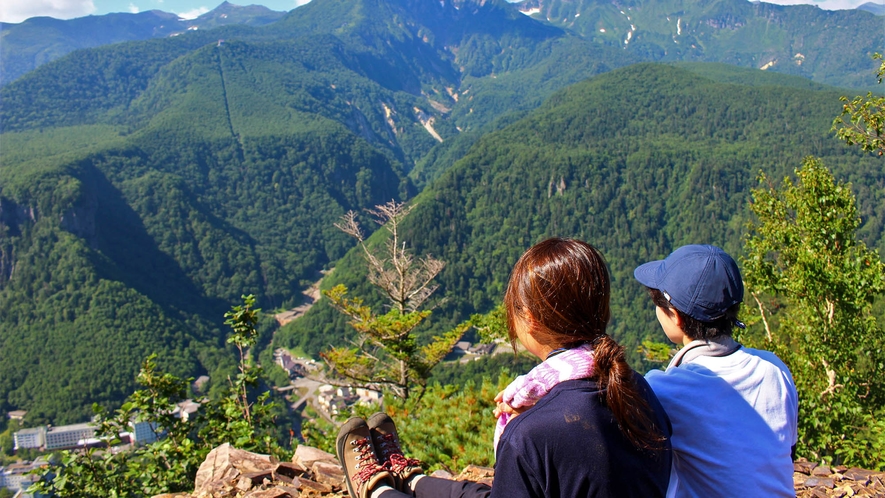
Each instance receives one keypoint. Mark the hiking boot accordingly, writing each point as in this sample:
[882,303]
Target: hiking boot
[386,441]
[362,471]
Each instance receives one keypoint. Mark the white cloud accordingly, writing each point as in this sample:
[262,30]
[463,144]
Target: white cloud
[19,10]
[299,3]
[193,13]
[133,8]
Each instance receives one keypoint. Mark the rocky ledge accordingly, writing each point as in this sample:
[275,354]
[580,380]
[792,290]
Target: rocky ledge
[231,473]
[820,481]
[228,472]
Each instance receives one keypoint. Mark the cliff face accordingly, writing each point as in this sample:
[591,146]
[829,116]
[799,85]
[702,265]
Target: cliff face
[231,473]
[15,217]
[80,219]
[12,217]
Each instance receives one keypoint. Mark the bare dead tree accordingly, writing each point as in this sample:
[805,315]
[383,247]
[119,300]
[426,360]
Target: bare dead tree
[404,278]
[386,353]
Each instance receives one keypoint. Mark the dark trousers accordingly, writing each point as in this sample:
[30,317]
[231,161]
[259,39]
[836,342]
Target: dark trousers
[434,487]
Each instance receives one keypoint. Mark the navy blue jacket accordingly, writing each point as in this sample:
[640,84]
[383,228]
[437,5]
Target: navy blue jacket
[568,445]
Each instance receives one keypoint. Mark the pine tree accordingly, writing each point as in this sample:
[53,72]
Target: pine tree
[386,353]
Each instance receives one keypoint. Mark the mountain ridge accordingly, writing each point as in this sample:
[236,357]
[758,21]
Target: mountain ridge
[800,39]
[38,40]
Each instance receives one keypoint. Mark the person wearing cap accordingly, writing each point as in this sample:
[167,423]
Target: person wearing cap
[734,410]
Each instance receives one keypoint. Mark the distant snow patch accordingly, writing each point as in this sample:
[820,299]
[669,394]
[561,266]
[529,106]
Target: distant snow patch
[678,26]
[531,12]
[602,30]
[768,65]
[578,14]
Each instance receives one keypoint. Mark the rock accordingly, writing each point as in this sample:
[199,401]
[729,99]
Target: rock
[315,486]
[799,480]
[804,467]
[856,474]
[442,474]
[306,456]
[290,469]
[225,463]
[328,473]
[821,470]
[819,493]
[244,484]
[259,477]
[813,482]
[272,493]
[483,475]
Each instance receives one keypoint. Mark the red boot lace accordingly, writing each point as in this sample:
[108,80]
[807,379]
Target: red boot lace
[393,456]
[366,462]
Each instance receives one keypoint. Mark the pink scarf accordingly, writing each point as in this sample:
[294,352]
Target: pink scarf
[527,389]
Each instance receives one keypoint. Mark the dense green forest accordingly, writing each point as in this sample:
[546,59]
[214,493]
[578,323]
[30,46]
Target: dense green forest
[637,161]
[175,174]
[145,186]
[139,263]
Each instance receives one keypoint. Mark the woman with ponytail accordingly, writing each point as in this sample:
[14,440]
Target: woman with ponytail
[590,425]
[587,424]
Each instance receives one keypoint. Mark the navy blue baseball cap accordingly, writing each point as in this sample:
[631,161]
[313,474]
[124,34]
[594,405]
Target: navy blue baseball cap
[699,280]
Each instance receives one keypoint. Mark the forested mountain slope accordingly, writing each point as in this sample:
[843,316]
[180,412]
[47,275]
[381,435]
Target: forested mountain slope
[146,186]
[827,46]
[637,161]
[39,40]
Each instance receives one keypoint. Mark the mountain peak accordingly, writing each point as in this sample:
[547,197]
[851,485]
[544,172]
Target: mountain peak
[872,7]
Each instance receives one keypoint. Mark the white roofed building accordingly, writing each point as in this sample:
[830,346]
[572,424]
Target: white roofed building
[30,438]
[69,436]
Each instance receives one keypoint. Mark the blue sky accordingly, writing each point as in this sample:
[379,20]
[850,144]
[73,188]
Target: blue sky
[19,10]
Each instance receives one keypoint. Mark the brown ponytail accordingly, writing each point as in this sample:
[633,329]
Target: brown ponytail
[622,397]
[564,286]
